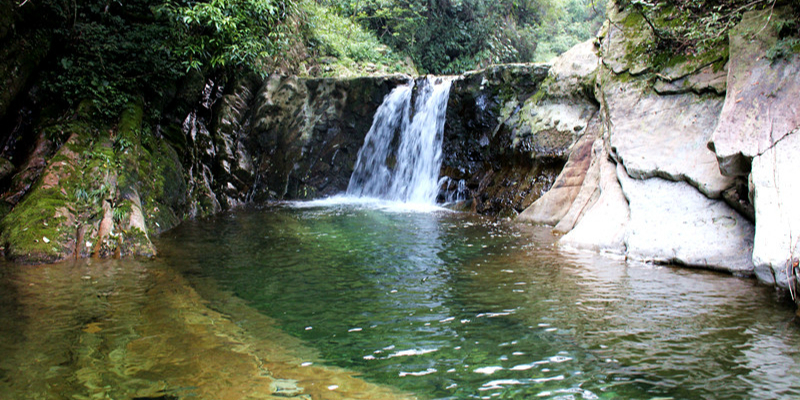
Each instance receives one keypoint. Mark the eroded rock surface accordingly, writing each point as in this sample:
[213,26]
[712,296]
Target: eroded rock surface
[776,186]
[761,103]
[555,204]
[600,213]
[671,222]
[664,136]
[756,137]
[667,181]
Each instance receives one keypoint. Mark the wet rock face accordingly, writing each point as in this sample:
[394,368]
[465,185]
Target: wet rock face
[306,133]
[505,138]
[508,134]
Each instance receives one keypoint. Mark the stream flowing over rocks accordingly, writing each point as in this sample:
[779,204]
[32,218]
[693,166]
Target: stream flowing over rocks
[692,163]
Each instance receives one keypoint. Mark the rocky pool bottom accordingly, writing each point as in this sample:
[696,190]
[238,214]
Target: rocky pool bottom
[372,301]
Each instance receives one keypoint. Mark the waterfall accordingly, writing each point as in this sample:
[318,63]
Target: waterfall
[402,152]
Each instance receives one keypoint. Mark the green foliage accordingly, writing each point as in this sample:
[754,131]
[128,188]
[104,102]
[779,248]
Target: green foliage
[122,144]
[219,33]
[121,212]
[108,52]
[346,48]
[788,37]
[113,52]
[784,48]
[695,26]
[453,36]
[566,23]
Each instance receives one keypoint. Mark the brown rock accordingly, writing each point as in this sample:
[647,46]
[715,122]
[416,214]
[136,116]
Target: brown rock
[553,205]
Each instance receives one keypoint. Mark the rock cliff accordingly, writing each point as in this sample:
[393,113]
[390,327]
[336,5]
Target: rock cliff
[691,161]
[85,187]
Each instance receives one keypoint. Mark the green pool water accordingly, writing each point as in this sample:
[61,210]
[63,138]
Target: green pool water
[375,301]
[452,306]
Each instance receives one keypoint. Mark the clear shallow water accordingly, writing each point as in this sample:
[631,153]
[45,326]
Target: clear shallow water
[446,305]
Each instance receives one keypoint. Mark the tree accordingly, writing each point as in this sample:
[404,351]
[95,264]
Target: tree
[450,36]
[216,33]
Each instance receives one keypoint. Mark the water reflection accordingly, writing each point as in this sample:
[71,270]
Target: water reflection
[51,318]
[451,306]
[136,330]
[438,304]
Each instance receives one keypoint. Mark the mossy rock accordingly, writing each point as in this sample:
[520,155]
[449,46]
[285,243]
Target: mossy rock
[89,192]
[41,227]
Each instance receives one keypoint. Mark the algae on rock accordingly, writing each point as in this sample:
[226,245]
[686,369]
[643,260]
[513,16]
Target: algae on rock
[87,201]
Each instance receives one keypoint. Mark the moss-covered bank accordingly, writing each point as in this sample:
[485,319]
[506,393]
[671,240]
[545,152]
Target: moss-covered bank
[104,188]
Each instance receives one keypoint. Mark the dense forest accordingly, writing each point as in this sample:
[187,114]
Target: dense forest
[454,36]
[109,51]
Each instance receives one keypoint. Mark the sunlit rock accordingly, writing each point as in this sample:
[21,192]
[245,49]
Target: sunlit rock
[776,193]
[601,222]
[556,203]
[671,222]
[761,103]
[664,136]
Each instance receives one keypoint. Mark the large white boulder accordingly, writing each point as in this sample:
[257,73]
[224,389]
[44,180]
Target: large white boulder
[671,222]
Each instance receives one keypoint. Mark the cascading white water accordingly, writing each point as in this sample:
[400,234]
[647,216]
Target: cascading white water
[372,176]
[405,170]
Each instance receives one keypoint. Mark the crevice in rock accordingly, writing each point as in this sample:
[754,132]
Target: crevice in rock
[776,142]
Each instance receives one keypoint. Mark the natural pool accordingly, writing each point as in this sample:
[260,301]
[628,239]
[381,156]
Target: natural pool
[295,300]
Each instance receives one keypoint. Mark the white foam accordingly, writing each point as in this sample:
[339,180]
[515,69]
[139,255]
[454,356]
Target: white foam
[412,352]
[368,203]
[488,370]
[419,373]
